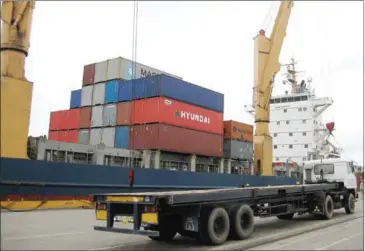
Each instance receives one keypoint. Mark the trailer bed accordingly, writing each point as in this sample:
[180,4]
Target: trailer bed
[214,195]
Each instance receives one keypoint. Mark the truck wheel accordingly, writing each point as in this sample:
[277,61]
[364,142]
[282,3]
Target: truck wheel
[286,216]
[328,208]
[350,206]
[167,229]
[214,226]
[242,222]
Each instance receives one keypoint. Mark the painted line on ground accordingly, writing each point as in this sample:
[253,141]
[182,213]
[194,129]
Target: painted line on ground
[40,236]
[339,241]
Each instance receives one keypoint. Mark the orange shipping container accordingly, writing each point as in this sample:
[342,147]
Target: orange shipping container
[238,131]
[85,117]
[124,113]
[53,135]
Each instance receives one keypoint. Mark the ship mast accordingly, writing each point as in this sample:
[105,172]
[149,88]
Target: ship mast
[291,76]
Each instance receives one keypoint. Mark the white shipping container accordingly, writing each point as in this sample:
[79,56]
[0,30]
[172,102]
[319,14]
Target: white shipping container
[86,95]
[97,116]
[99,94]
[84,137]
[113,71]
[108,136]
[101,72]
[109,115]
[95,136]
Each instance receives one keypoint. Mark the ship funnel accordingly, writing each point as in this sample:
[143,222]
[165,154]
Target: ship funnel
[330,126]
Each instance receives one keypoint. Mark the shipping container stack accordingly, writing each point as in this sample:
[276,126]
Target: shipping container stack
[153,110]
[238,140]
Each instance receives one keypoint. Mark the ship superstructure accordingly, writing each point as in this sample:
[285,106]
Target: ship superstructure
[296,123]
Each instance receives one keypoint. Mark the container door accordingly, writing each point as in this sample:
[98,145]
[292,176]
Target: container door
[111,91]
[86,95]
[75,99]
[125,69]
[122,137]
[108,136]
[99,94]
[97,116]
[95,136]
[101,72]
[109,115]
[113,71]
[83,137]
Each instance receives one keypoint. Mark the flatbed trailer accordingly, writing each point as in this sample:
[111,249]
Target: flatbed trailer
[211,216]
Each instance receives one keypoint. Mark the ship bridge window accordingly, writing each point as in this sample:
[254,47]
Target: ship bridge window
[290,134]
[287,122]
[283,100]
[278,122]
[285,110]
[296,98]
[275,146]
[305,146]
[271,101]
[290,146]
[304,134]
[290,99]
[277,101]
[275,134]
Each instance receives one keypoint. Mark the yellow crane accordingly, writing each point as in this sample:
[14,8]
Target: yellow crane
[16,90]
[266,65]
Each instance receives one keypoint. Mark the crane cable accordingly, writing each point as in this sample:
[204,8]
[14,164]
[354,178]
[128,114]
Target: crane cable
[134,63]
[269,17]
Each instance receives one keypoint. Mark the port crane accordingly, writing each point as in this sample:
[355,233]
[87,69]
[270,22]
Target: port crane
[16,90]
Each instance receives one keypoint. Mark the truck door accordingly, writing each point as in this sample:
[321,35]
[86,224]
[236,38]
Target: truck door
[308,174]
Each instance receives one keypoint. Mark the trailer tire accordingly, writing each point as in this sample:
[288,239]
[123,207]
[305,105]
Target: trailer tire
[167,229]
[211,231]
[242,222]
[286,216]
[350,204]
[328,208]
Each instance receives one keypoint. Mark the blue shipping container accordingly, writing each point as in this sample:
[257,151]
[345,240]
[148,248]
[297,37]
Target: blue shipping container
[121,137]
[75,99]
[111,91]
[163,85]
[124,90]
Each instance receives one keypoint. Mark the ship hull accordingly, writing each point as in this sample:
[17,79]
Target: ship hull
[35,179]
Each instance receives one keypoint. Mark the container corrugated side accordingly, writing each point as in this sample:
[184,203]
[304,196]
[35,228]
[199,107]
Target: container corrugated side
[108,136]
[71,119]
[164,85]
[109,115]
[122,137]
[175,139]
[85,117]
[75,101]
[89,74]
[84,137]
[101,69]
[71,136]
[124,112]
[55,120]
[53,135]
[99,94]
[87,95]
[124,91]
[172,112]
[111,91]
[95,136]
[97,116]
[236,149]
[238,131]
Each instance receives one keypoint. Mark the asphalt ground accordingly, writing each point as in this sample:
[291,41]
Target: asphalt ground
[73,230]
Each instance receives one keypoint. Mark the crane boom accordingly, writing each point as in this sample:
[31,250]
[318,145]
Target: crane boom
[16,90]
[266,64]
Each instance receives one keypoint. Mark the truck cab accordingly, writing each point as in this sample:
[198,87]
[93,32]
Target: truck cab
[331,170]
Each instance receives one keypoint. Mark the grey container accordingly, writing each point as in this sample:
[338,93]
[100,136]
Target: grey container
[86,95]
[97,116]
[109,115]
[114,69]
[99,94]
[84,137]
[101,72]
[95,136]
[108,136]
[235,149]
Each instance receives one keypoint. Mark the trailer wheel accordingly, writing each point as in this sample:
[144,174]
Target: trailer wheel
[167,229]
[242,222]
[350,206]
[328,208]
[214,226]
[286,216]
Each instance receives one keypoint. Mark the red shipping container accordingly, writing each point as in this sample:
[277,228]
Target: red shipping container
[89,73]
[172,112]
[85,117]
[53,135]
[55,120]
[175,139]
[72,136]
[123,113]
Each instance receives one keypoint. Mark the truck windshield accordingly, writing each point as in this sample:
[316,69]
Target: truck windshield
[327,169]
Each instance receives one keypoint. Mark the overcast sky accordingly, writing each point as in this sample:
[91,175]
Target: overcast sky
[206,43]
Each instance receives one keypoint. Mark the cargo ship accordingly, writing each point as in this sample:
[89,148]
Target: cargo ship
[145,131]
